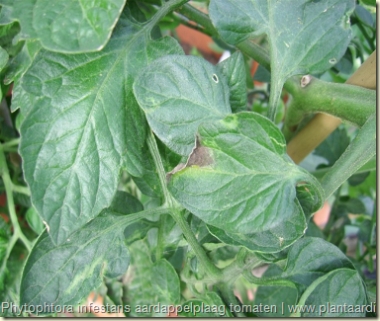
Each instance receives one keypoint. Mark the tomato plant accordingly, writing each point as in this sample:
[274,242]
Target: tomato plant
[163,182]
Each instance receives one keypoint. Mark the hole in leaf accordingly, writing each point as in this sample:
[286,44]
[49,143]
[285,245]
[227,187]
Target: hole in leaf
[215,78]
[332,61]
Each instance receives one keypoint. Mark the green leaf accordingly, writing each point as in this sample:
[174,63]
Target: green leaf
[270,241]
[165,282]
[239,177]
[81,124]
[334,145]
[67,273]
[310,202]
[233,68]
[187,88]
[369,2]
[310,258]
[364,16]
[21,62]
[34,220]
[125,203]
[313,230]
[304,36]
[66,26]
[4,239]
[278,296]
[151,283]
[338,294]
[149,182]
[208,305]
[3,58]
[10,279]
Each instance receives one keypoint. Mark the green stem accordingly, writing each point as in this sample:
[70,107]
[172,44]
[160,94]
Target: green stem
[153,148]
[358,153]
[368,167]
[177,213]
[351,103]
[21,189]
[210,268]
[163,11]
[183,20]
[10,201]
[267,281]
[10,246]
[249,48]
[11,143]
[135,217]
[199,17]
[256,52]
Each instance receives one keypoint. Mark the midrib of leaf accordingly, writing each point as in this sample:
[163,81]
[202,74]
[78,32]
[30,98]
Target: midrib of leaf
[118,225]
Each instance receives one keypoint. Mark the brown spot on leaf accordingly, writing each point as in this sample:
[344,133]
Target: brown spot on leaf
[200,156]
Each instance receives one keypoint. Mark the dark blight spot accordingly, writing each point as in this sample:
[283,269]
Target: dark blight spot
[200,156]
[215,78]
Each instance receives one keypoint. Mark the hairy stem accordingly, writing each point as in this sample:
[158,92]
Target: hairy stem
[135,217]
[368,167]
[199,17]
[177,212]
[322,125]
[248,47]
[351,103]
[21,189]
[210,268]
[153,148]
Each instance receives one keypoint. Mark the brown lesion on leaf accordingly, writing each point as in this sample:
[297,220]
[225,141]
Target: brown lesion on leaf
[199,156]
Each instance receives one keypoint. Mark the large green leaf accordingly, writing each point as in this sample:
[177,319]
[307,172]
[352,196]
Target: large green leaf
[239,177]
[66,273]
[312,257]
[66,26]
[273,240]
[187,88]
[340,293]
[305,36]
[81,123]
